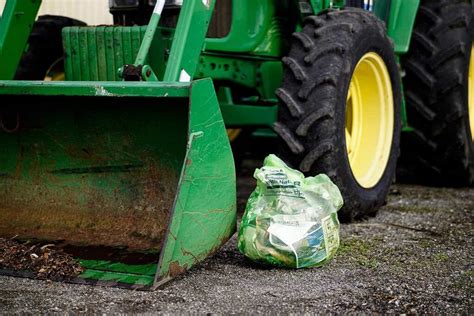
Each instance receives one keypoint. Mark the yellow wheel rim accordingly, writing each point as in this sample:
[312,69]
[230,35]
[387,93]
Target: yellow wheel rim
[369,120]
[233,133]
[56,71]
[471,93]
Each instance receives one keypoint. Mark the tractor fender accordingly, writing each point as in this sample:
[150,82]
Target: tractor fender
[401,22]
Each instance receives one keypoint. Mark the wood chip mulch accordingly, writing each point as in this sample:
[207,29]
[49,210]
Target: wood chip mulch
[44,260]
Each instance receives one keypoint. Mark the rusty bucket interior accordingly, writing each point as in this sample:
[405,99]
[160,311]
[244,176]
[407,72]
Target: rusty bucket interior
[117,176]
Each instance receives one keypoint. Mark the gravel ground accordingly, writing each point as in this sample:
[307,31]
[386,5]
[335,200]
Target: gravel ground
[415,256]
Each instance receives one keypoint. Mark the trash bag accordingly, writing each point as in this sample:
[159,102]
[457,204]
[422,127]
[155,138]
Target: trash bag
[290,221]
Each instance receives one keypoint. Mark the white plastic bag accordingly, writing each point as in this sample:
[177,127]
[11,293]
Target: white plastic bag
[290,220]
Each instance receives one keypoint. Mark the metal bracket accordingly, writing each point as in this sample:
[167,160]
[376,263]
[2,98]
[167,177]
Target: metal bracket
[131,73]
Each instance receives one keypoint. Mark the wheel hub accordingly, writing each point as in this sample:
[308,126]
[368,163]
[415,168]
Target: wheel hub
[369,120]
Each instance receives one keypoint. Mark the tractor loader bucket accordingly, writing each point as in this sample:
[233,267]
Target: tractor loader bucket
[135,179]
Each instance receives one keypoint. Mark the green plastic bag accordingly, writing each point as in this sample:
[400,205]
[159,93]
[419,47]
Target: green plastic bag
[290,221]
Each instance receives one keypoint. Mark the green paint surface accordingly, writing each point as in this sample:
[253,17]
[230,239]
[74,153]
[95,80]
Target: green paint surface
[118,272]
[16,23]
[138,165]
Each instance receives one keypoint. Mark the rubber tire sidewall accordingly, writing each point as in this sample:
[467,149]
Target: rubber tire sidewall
[359,202]
[368,200]
[440,151]
[45,46]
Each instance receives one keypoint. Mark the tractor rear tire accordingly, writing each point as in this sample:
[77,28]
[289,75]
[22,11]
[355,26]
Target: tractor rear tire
[45,47]
[314,97]
[440,150]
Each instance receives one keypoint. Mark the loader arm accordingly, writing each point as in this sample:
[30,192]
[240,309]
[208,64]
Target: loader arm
[186,48]
[16,23]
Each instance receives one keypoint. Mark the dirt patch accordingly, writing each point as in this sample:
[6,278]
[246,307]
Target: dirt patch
[44,260]
[403,261]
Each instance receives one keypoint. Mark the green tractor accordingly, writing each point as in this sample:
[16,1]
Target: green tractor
[115,139]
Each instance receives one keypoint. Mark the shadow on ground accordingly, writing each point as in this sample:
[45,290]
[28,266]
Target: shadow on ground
[415,256]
